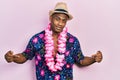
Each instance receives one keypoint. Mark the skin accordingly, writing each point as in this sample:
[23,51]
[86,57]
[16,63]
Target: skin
[58,22]
[17,58]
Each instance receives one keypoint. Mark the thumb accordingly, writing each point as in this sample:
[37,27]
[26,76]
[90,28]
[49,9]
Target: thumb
[94,55]
[16,56]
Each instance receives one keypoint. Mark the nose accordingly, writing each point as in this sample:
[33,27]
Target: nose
[60,23]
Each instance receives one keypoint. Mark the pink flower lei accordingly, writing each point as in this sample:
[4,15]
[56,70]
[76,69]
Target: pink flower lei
[58,63]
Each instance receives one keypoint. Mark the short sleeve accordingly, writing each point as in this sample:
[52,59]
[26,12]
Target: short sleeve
[29,52]
[77,52]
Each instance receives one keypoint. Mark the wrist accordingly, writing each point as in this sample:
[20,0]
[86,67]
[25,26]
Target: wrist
[94,59]
[19,58]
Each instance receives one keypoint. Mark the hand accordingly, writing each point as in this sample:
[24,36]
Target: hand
[9,56]
[98,56]
[17,57]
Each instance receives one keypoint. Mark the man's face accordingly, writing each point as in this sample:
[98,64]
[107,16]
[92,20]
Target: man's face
[58,22]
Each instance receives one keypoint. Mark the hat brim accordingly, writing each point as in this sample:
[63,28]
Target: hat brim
[53,12]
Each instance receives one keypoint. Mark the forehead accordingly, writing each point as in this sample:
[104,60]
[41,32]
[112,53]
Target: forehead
[60,15]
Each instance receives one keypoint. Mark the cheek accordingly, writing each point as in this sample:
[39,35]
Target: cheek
[55,22]
[64,24]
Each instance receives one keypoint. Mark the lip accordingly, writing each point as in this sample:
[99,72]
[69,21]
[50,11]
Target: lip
[58,28]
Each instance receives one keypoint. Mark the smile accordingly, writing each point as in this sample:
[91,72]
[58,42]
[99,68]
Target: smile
[58,28]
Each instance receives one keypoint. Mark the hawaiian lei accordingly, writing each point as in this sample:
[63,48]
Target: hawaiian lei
[58,63]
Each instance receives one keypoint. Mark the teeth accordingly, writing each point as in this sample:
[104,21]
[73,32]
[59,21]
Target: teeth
[58,28]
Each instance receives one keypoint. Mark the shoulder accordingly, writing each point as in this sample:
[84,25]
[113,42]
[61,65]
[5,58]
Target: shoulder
[71,37]
[39,35]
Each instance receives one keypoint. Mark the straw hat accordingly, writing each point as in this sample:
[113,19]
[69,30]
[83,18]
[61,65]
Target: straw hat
[61,7]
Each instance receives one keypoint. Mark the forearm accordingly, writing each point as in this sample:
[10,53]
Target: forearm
[19,58]
[87,61]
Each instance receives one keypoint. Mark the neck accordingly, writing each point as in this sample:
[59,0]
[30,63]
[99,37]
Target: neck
[55,35]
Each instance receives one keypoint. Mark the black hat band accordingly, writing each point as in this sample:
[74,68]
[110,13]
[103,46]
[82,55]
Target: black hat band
[61,10]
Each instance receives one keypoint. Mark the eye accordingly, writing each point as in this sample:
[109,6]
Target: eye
[56,18]
[64,20]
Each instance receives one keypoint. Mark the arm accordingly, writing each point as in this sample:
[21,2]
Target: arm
[90,60]
[87,61]
[17,58]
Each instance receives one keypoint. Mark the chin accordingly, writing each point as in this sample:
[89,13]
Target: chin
[58,31]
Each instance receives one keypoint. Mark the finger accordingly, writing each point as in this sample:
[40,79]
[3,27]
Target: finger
[99,52]
[10,52]
[94,55]
[98,59]
[99,56]
[9,59]
[16,56]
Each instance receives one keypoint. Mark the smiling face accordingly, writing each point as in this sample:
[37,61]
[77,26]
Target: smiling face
[58,22]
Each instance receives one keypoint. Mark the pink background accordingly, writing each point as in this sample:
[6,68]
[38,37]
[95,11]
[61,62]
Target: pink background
[96,23]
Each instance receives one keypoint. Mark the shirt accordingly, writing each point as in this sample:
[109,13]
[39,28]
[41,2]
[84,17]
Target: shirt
[36,48]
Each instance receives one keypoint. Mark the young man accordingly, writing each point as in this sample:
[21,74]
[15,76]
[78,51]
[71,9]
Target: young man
[55,50]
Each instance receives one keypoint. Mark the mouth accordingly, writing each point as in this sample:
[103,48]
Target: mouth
[58,28]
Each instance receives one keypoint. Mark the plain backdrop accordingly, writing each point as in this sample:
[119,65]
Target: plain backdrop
[96,24]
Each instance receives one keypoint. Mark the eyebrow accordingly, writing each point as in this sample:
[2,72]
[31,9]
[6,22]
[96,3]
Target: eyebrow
[60,17]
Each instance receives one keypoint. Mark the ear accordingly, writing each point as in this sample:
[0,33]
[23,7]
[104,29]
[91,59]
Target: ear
[50,18]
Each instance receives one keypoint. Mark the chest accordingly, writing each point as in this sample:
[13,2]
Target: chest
[55,47]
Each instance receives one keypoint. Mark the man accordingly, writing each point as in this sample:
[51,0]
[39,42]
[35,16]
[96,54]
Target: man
[55,50]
